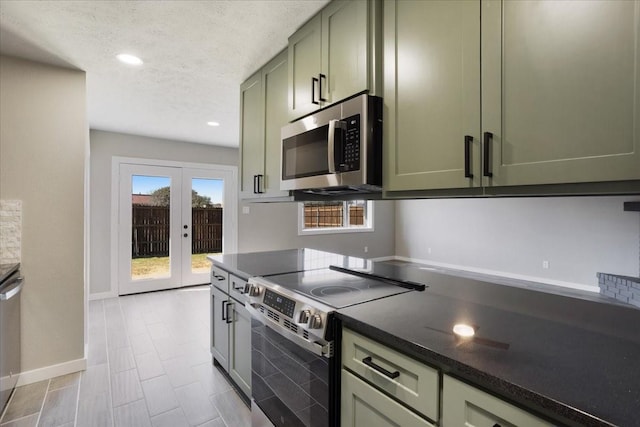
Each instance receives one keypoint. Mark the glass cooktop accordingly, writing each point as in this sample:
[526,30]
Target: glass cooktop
[336,289]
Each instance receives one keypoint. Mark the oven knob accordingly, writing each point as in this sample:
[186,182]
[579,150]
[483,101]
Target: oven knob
[304,316]
[254,290]
[316,322]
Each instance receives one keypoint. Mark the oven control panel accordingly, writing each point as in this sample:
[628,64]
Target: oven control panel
[280,303]
[295,313]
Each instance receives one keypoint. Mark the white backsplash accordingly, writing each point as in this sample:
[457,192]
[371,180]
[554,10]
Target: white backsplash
[10,231]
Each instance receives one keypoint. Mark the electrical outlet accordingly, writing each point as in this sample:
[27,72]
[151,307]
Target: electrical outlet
[246,210]
[545,264]
[429,251]
[366,249]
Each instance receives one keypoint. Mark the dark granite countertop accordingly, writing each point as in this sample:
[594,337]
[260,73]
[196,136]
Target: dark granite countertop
[574,360]
[7,270]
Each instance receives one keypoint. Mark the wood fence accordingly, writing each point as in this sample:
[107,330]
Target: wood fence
[330,215]
[150,231]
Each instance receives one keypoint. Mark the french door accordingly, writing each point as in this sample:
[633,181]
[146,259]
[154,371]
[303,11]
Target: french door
[169,219]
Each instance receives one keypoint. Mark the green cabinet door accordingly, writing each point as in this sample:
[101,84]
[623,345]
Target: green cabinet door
[364,406]
[304,66]
[345,49]
[561,91]
[431,94]
[274,83]
[240,347]
[219,327]
[251,133]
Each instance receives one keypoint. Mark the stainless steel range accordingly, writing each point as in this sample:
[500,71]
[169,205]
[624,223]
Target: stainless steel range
[294,337]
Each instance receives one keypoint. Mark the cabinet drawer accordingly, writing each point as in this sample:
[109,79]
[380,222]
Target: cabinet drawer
[220,278]
[464,405]
[237,287]
[364,406]
[414,383]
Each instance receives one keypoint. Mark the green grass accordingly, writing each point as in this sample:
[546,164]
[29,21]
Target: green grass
[145,268]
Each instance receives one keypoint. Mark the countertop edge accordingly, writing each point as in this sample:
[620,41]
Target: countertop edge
[531,401]
[241,274]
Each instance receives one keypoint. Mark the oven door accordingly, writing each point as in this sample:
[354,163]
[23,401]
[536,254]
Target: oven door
[290,385]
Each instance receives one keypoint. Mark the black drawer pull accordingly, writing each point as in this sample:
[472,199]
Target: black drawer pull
[367,361]
[468,140]
[497,425]
[488,138]
[229,319]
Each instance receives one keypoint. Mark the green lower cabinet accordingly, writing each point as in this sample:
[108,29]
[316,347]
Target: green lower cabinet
[464,405]
[364,406]
[240,347]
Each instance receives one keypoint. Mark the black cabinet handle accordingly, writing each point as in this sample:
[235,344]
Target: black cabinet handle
[224,311]
[488,138]
[497,425]
[367,361]
[313,91]
[468,140]
[240,288]
[260,184]
[320,77]
[220,278]
[229,319]
[185,235]
[255,184]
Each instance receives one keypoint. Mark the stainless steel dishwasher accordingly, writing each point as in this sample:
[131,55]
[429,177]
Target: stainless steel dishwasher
[10,288]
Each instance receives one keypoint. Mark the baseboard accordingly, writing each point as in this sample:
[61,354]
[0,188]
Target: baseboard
[102,295]
[543,280]
[35,375]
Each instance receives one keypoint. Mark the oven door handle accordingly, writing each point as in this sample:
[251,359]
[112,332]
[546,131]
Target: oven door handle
[325,350]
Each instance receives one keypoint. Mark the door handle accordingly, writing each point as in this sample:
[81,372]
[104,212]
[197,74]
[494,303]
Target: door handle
[224,311]
[488,138]
[255,184]
[313,91]
[320,77]
[260,184]
[468,140]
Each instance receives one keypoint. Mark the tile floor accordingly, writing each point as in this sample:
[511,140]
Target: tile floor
[148,365]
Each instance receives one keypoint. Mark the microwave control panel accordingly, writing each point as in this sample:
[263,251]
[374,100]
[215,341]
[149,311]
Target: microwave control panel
[351,145]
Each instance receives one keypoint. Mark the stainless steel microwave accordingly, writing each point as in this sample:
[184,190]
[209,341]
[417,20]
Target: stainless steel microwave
[336,150]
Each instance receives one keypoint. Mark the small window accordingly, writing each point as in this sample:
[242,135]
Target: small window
[335,217]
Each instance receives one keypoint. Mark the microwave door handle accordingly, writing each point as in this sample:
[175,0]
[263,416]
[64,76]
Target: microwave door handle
[331,146]
[331,143]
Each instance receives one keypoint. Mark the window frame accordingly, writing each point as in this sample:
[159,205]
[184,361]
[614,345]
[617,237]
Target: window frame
[367,228]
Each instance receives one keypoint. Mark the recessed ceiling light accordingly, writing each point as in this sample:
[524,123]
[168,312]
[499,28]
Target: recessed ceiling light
[213,124]
[464,331]
[129,59]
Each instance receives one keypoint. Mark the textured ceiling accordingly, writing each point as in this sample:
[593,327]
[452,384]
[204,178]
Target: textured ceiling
[195,53]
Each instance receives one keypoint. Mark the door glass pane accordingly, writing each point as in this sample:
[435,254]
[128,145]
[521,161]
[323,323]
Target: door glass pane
[150,226]
[207,197]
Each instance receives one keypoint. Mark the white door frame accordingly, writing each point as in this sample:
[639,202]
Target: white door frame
[230,215]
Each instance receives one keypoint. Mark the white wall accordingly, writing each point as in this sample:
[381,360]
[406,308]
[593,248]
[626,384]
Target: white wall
[273,226]
[579,236]
[106,145]
[43,143]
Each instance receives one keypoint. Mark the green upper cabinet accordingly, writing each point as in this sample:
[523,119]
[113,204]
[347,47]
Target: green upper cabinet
[304,68]
[263,107]
[333,55]
[251,133]
[432,94]
[274,84]
[561,91]
[522,93]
